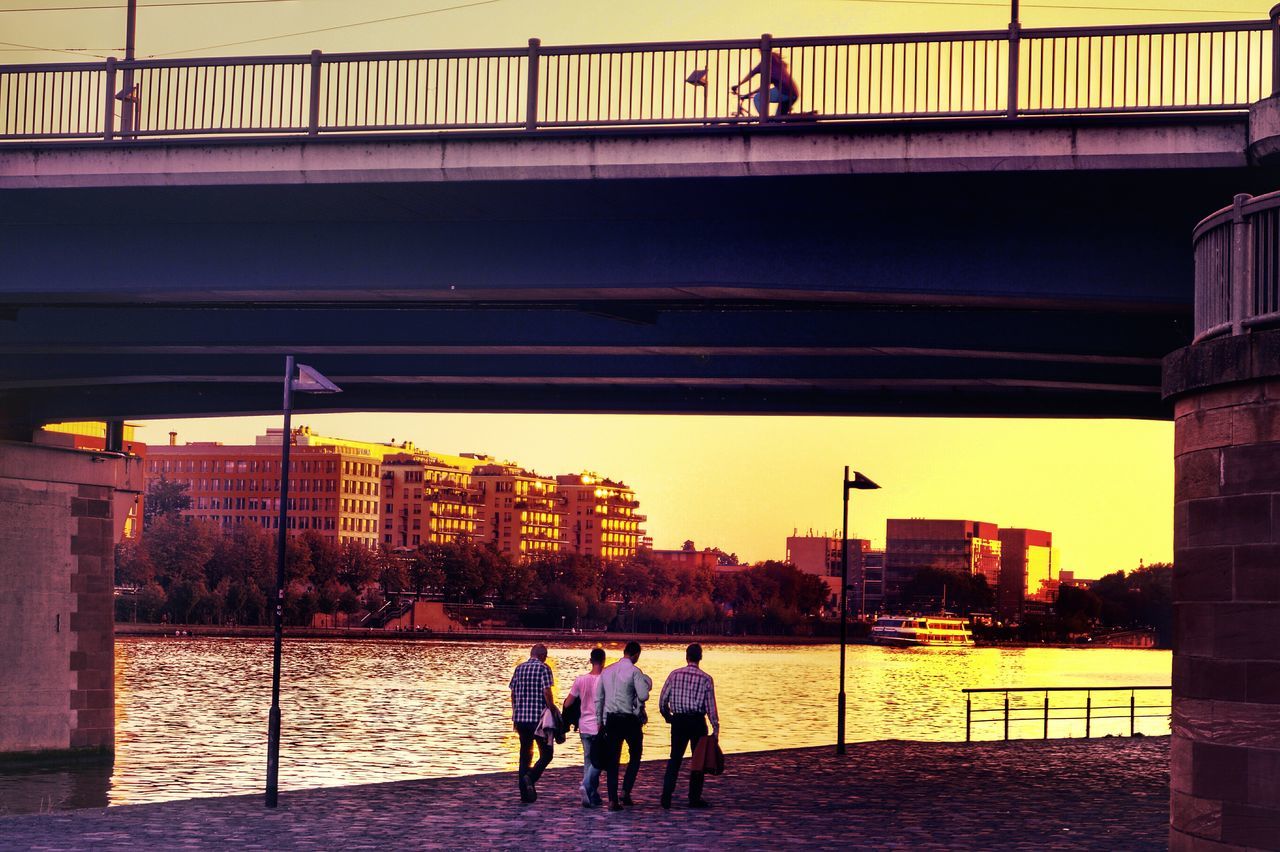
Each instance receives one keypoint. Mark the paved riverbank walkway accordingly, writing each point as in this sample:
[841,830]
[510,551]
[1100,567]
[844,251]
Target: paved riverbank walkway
[1062,794]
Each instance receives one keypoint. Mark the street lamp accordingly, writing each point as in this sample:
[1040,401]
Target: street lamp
[305,380]
[861,483]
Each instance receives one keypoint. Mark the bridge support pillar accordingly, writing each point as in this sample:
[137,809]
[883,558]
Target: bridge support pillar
[61,513]
[1225,778]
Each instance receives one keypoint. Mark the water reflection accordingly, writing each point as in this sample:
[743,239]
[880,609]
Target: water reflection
[191,713]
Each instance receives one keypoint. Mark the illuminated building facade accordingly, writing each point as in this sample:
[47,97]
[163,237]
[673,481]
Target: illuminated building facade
[961,547]
[520,512]
[1027,571]
[333,490]
[600,516]
[426,500]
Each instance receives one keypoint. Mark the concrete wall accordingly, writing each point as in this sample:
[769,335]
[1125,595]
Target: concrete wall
[61,512]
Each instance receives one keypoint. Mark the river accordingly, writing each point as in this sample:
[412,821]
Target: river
[191,712]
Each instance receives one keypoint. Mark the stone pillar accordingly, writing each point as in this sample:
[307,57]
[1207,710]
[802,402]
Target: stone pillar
[61,512]
[1225,773]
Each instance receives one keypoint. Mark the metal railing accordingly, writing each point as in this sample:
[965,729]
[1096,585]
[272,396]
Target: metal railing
[1237,258]
[1007,73]
[1043,712]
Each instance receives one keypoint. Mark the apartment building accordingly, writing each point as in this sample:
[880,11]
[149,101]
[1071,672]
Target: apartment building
[520,513]
[427,500]
[600,516]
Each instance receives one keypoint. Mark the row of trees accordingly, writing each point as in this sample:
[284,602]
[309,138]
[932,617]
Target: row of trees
[194,572]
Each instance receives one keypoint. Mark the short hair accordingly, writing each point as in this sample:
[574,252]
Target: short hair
[633,648]
[539,652]
[693,653]
[597,655]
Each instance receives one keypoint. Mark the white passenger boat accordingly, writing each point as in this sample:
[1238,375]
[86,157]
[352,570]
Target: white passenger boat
[912,630]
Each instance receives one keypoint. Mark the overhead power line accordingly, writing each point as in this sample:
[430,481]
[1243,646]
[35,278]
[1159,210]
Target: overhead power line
[70,51]
[168,5]
[326,29]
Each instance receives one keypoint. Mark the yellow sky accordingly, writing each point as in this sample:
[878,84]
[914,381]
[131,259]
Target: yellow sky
[263,27]
[1104,488]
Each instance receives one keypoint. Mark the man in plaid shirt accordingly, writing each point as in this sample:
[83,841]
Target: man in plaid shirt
[531,694]
[688,695]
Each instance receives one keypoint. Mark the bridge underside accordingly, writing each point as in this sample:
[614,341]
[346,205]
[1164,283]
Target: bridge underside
[1039,294]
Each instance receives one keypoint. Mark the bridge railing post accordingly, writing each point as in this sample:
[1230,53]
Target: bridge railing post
[766,75]
[531,98]
[109,102]
[313,106]
[1241,277]
[1015,38]
[1275,50]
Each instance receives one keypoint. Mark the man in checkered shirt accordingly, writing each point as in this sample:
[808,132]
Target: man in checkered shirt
[531,694]
[688,695]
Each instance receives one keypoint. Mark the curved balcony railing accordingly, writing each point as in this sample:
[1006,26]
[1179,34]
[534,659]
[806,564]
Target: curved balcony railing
[1007,73]
[1237,260]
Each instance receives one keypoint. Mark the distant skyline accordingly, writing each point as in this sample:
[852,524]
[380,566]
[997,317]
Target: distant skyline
[1102,487]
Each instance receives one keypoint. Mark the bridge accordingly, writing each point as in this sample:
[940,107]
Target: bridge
[979,223]
[583,228]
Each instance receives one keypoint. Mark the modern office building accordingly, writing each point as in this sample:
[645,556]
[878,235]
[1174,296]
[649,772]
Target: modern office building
[1027,571]
[962,547]
[600,516]
[333,489]
[520,513]
[822,556]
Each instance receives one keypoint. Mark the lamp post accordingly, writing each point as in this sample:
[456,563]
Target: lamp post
[859,482]
[306,380]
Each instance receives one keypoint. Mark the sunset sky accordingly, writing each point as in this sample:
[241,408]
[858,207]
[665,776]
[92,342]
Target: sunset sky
[1104,488]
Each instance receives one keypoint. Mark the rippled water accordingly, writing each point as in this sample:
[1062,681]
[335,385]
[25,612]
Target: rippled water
[191,713]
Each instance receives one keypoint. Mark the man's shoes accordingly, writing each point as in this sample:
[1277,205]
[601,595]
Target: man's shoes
[626,799]
[700,803]
[596,801]
[666,803]
[615,806]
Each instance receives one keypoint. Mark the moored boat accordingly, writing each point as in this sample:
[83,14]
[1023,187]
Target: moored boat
[918,630]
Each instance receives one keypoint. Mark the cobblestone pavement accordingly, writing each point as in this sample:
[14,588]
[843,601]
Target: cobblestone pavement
[1107,794]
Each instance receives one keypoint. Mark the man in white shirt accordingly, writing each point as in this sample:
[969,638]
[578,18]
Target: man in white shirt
[585,691]
[623,690]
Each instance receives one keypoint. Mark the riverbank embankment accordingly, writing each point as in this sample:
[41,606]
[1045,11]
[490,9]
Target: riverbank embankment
[1044,795]
[378,635]
[587,637]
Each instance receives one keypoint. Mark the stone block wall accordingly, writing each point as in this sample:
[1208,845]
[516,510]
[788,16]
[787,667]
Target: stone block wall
[1225,773]
[61,512]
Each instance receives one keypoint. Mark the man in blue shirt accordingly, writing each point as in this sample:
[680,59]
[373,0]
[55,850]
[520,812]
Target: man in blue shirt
[620,713]
[531,694]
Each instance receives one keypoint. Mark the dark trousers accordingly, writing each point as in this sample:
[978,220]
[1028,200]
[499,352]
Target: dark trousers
[686,730]
[623,727]
[545,751]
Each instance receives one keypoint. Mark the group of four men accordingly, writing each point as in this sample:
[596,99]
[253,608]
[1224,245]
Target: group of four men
[612,703]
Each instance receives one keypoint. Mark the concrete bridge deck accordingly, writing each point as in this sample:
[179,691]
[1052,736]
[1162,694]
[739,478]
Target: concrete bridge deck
[1057,795]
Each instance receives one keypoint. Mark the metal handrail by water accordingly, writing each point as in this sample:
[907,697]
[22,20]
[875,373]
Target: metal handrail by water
[1045,713]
